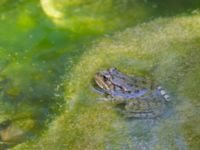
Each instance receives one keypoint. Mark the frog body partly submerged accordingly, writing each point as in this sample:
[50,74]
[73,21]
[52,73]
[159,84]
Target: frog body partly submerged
[135,96]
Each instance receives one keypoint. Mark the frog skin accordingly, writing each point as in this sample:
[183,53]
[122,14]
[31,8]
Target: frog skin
[136,97]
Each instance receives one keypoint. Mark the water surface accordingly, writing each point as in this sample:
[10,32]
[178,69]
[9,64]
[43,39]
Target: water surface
[50,51]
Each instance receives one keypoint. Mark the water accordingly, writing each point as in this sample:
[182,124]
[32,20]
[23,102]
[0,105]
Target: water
[50,51]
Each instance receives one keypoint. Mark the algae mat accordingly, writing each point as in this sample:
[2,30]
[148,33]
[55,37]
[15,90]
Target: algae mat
[168,50]
[36,47]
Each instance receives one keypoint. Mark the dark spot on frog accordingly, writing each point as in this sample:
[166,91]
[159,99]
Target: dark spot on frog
[121,105]
[136,91]
[129,92]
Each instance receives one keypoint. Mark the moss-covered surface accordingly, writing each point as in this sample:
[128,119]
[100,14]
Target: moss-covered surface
[166,49]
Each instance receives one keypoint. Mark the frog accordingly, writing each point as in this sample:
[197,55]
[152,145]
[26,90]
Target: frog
[133,96]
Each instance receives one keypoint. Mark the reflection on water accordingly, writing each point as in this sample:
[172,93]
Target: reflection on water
[45,42]
[92,17]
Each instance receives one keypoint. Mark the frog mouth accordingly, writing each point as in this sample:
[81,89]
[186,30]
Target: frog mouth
[97,89]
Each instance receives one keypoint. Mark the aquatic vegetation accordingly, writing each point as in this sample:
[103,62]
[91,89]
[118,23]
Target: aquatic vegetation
[47,65]
[95,17]
[168,50]
[34,52]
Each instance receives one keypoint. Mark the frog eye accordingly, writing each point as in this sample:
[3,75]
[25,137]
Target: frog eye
[107,76]
[104,78]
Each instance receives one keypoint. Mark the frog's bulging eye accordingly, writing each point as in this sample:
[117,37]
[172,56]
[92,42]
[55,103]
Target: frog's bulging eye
[108,76]
[104,78]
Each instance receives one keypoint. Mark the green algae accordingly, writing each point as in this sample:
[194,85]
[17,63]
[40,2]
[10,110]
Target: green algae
[169,50]
[80,126]
[37,47]
[35,50]
[166,49]
[83,17]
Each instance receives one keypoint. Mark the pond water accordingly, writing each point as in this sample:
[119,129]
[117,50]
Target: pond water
[50,51]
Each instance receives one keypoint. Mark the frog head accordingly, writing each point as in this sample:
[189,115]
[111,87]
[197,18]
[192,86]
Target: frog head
[103,80]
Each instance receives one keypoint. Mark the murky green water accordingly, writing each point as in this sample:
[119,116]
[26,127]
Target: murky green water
[51,49]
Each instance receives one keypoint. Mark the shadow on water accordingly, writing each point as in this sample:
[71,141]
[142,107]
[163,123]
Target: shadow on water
[36,53]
